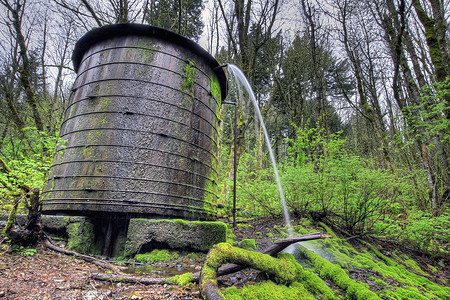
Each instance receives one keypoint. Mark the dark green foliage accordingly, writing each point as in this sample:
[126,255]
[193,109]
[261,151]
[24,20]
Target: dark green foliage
[423,231]
[183,17]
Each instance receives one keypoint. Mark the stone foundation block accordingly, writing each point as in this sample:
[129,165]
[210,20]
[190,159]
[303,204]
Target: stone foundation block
[176,234]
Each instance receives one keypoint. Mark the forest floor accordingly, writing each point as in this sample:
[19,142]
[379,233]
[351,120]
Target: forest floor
[40,273]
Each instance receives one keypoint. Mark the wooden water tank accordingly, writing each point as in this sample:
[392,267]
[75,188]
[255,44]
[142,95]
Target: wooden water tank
[141,127]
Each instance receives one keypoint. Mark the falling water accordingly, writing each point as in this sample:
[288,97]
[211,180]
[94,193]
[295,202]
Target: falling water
[241,81]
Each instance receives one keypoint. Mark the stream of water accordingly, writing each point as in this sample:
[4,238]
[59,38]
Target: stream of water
[242,82]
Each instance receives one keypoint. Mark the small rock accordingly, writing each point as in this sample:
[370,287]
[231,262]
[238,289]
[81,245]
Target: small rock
[93,295]
[2,293]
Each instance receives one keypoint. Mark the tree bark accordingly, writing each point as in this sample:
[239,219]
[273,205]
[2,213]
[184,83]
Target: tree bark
[432,27]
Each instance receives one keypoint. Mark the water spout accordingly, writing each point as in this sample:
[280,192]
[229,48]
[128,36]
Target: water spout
[241,81]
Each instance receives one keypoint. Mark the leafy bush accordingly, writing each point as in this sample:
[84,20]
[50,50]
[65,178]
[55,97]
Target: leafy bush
[422,231]
[323,180]
[24,167]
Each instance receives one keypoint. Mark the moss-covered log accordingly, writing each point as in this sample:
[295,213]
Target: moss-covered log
[283,270]
[354,289]
[274,249]
[174,280]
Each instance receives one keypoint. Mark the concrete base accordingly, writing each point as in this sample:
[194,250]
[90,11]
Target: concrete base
[145,235]
[86,235]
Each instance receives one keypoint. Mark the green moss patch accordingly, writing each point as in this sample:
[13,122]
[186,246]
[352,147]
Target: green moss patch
[230,236]
[269,290]
[182,280]
[215,89]
[248,244]
[328,270]
[189,76]
[399,278]
[156,255]
[81,237]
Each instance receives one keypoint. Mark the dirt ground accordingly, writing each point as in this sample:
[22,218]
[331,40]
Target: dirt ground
[40,273]
[51,275]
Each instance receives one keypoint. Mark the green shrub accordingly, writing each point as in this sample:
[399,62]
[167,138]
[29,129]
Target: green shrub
[27,167]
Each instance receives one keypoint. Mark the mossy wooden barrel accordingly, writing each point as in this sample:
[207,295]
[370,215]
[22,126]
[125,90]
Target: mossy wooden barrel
[141,127]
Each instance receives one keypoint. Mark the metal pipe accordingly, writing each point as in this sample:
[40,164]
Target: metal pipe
[220,67]
[234,160]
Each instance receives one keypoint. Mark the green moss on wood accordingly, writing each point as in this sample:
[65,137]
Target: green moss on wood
[284,269]
[189,76]
[215,90]
[328,270]
[404,275]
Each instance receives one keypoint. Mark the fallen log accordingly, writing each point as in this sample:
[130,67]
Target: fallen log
[175,280]
[127,279]
[274,249]
[87,258]
[224,253]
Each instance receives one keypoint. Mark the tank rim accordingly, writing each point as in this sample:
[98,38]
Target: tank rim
[107,32]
